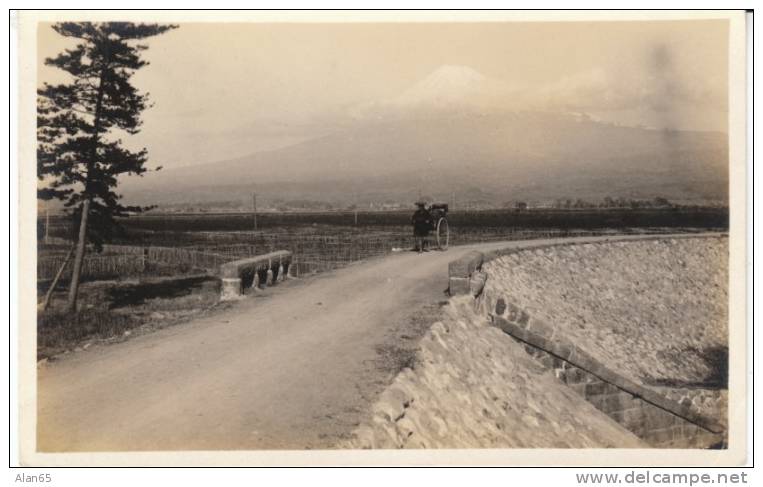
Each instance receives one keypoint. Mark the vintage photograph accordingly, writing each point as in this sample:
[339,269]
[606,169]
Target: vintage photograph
[365,233]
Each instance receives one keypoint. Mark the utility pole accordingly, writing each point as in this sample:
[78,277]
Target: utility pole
[254,209]
[453,199]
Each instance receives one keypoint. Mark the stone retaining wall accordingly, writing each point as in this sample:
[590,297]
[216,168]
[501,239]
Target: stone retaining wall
[626,316]
[659,427]
[655,311]
[475,386]
[472,386]
[656,418]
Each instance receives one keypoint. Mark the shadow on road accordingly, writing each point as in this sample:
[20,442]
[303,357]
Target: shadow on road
[136,294]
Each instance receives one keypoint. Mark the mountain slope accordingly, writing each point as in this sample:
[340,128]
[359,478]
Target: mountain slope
[528,155]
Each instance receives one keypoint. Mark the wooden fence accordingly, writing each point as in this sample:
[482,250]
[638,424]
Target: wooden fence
[93,266]
[312,252]
[127,260]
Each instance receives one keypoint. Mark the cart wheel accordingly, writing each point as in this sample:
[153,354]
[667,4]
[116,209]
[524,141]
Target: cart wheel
[443,234]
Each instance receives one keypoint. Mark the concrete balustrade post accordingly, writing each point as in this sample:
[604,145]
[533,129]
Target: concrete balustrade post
[274,272]
[230,289]
[262,278]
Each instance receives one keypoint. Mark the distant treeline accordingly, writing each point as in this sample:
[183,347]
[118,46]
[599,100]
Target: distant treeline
[609,202]
[572,218]
[308,205]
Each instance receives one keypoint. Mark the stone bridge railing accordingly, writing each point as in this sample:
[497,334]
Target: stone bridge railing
[464,274]
[253,271]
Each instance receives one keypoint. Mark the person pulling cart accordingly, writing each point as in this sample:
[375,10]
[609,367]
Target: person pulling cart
[426,220]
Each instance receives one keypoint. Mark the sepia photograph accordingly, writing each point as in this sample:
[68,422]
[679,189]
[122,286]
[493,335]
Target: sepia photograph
[260,238]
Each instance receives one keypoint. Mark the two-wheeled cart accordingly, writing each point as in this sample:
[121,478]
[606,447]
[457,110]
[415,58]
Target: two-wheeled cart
[440,226]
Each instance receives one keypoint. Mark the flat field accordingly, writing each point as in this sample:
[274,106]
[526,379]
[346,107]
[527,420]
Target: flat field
[166,263]
[326,240]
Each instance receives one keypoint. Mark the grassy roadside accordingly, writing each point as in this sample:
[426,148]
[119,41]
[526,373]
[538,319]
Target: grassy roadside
[111,311]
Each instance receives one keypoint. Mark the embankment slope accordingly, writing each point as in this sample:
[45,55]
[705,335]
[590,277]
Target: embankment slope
[651,310]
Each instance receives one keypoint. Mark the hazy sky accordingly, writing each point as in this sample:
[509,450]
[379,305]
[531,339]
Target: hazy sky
[227,90]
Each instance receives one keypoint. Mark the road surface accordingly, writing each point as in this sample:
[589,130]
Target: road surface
[296,366]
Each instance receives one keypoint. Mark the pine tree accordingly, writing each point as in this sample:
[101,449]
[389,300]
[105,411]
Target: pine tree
[79,154]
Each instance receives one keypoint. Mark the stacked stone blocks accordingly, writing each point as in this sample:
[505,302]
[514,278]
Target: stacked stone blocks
[465,276]
[653,417]
[472,386]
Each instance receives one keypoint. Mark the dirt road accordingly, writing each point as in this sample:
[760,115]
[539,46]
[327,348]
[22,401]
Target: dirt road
[292,367]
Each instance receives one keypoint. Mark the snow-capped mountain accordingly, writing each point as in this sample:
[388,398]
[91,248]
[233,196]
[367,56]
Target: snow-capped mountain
[450,86]
[448,89]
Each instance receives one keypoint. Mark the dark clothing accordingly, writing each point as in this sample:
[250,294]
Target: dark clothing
[422,222]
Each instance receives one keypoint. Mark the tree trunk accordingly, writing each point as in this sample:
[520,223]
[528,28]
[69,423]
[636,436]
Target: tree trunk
[81,241]
[71,305]
[49,294]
